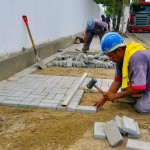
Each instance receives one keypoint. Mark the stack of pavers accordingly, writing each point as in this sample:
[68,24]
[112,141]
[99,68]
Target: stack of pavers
[82,60]
[114,129]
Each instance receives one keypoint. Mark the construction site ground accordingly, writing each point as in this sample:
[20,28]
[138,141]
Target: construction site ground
[44,129]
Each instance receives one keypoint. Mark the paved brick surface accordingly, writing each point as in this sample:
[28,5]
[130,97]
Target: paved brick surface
[25,89]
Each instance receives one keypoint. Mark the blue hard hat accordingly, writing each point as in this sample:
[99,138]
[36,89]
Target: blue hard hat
[90,24]
[110,41]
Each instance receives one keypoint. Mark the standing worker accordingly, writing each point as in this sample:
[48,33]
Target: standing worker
[132,72]
[103,18]
[94,27]
[108,21]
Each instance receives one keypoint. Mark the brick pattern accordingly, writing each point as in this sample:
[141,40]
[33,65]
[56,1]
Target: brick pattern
[32,90]
[41,91]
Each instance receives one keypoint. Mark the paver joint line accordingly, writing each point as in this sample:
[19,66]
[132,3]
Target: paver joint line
[67,100]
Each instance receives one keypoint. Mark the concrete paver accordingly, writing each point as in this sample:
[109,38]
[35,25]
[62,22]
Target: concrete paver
[112,133]
[137,145]
[99,131]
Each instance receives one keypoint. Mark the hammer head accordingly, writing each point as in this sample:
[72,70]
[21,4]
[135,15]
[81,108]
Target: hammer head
[91,83]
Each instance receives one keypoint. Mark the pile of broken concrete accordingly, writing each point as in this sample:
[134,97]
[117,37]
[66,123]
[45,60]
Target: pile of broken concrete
[82,60]
[114,129]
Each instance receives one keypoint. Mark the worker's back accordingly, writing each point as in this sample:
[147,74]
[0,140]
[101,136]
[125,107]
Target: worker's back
[141,59]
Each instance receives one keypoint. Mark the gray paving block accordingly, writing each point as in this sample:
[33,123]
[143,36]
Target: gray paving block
[76,99]
[99,130]
[2,98]
[26,102]
[137,145]
[17,93]
[137,134]
[61,63]
[97,64]
[65,63]
[60,107]
[73,63]
[104,83]
[79,64]
[105,88]
[79,92]
[90,57]
[39,93]
[69,62]
[112,133]
[52,101]
[47,105]
[5,94]
[79,56]
[37,96]
[118,121]
[82,64]
[59,96]
[25,94]
[27,89]
[72,106]
[86,109]
[11,103]
[128,125]
[15,98]
[49,64]
[35,102]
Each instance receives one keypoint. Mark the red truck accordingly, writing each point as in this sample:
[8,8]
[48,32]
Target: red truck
[139,17]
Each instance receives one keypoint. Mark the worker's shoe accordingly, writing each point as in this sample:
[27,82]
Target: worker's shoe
[84,51]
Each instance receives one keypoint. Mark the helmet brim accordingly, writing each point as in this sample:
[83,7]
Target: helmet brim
[113,48]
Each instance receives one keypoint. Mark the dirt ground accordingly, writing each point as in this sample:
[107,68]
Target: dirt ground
[44,129]
[78,72]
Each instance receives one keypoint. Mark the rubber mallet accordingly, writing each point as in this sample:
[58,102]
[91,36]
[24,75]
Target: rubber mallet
[92,83]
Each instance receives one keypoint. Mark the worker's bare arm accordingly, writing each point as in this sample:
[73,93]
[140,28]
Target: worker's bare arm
[85,41]
[125,93]
[114,86]
[99,103]
[113,89]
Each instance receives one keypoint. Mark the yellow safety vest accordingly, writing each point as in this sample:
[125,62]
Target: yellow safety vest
[130,50]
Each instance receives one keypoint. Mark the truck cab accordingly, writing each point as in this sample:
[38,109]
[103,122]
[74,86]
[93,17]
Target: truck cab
[139,17]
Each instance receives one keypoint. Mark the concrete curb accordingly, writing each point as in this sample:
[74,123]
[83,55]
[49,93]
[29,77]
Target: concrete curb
[137,39]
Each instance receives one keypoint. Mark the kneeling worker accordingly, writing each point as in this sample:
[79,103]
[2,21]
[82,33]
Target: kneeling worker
[94,27]
[132,72]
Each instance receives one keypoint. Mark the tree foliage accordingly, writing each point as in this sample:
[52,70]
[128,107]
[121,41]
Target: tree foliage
[114,7]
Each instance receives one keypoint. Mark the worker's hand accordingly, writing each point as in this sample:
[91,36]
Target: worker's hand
[110,96]
[100,103]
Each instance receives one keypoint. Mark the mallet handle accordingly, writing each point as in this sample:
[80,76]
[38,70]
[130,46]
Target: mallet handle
[100,90]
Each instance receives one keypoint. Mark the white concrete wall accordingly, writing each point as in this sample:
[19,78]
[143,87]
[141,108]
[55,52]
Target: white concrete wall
[48,20]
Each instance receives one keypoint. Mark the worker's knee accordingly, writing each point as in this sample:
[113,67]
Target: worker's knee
[141,108]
